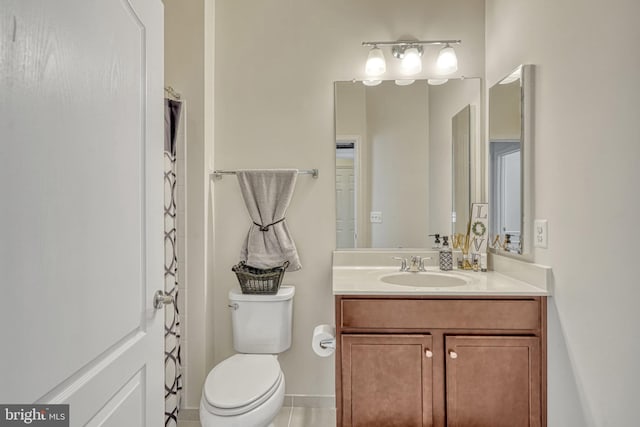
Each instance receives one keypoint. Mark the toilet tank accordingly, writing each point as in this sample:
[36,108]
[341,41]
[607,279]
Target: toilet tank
[262,323]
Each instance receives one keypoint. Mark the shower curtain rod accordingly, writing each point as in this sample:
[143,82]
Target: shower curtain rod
[217,174]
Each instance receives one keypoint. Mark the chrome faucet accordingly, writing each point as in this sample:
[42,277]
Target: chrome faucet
[416,264]
[403,263]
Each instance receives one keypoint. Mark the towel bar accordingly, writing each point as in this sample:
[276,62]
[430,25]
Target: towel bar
[217,174]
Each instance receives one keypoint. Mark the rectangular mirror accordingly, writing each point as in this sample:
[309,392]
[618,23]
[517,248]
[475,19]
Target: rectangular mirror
[399,174]
[510,156]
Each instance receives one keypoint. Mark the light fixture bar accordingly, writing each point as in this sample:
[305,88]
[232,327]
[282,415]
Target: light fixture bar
[412,42]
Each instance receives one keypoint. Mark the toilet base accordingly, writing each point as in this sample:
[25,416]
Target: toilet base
[261,416]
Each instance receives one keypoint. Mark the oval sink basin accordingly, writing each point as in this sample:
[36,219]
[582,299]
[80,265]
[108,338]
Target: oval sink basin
[425,279]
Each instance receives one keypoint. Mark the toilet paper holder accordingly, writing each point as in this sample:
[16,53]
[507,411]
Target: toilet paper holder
[323,341]
[328,343]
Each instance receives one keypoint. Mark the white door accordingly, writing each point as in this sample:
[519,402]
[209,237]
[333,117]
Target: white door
[345,205]
[506,189]
[81,252]
[510,217]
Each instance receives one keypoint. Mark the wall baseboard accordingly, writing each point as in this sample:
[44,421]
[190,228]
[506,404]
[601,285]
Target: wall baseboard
[296,400]
[309,401]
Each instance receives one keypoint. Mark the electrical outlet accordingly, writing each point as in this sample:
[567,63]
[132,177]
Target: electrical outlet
[540,233]
[375,217]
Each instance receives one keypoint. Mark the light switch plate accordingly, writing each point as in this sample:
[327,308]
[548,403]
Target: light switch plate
[375,217]
[540,233]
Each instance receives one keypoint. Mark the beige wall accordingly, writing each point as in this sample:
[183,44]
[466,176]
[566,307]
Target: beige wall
[586,184]
[275,67]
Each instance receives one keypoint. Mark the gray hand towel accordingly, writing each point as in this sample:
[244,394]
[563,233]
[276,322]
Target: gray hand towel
[267,193]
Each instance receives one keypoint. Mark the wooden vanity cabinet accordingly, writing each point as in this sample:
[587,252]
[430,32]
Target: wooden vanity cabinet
[493,381]
[387,377]
[440,361]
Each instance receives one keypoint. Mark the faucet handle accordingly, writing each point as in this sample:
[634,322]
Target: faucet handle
[416,262]
[403,263]
[422,267]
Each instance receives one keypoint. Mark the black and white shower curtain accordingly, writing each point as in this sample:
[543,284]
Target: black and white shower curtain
[172,362]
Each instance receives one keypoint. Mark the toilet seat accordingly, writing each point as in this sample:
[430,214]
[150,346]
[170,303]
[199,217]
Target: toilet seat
[241,383]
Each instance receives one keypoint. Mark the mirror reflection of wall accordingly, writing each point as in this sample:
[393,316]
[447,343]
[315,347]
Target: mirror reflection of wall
[461,138]
[507,156]
[504,151]
[396,186]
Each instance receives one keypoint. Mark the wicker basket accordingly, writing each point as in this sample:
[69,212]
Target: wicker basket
[259,281]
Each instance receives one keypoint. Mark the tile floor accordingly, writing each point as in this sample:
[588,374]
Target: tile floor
[294,417]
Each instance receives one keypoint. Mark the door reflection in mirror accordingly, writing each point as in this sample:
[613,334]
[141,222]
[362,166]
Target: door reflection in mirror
[346,167]
[505,186]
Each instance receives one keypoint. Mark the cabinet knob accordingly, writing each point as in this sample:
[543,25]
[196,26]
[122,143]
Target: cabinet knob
[453,354]
[428,353]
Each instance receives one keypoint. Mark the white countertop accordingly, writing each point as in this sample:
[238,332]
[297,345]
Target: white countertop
[365,280]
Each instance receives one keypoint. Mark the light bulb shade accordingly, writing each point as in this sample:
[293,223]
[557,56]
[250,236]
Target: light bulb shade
[447,60]
[404,82]
[371,82]
[411,61]
[437,82]
[376,65]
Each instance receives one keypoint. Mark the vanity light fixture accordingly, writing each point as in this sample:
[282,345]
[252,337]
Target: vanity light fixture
[410,53]
[376,64]
[411,58]
[447,60]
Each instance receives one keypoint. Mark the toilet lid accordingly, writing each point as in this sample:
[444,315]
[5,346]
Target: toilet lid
[241,380]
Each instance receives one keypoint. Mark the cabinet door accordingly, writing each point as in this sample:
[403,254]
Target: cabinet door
[386,380]
[493,381]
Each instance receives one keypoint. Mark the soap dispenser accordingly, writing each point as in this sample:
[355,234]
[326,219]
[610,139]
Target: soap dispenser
[446,255]
[436,242]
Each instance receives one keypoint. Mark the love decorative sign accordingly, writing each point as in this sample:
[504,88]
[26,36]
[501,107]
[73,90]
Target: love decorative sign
[479,228]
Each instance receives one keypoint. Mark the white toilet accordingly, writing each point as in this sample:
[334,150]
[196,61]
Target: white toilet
[247,389]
